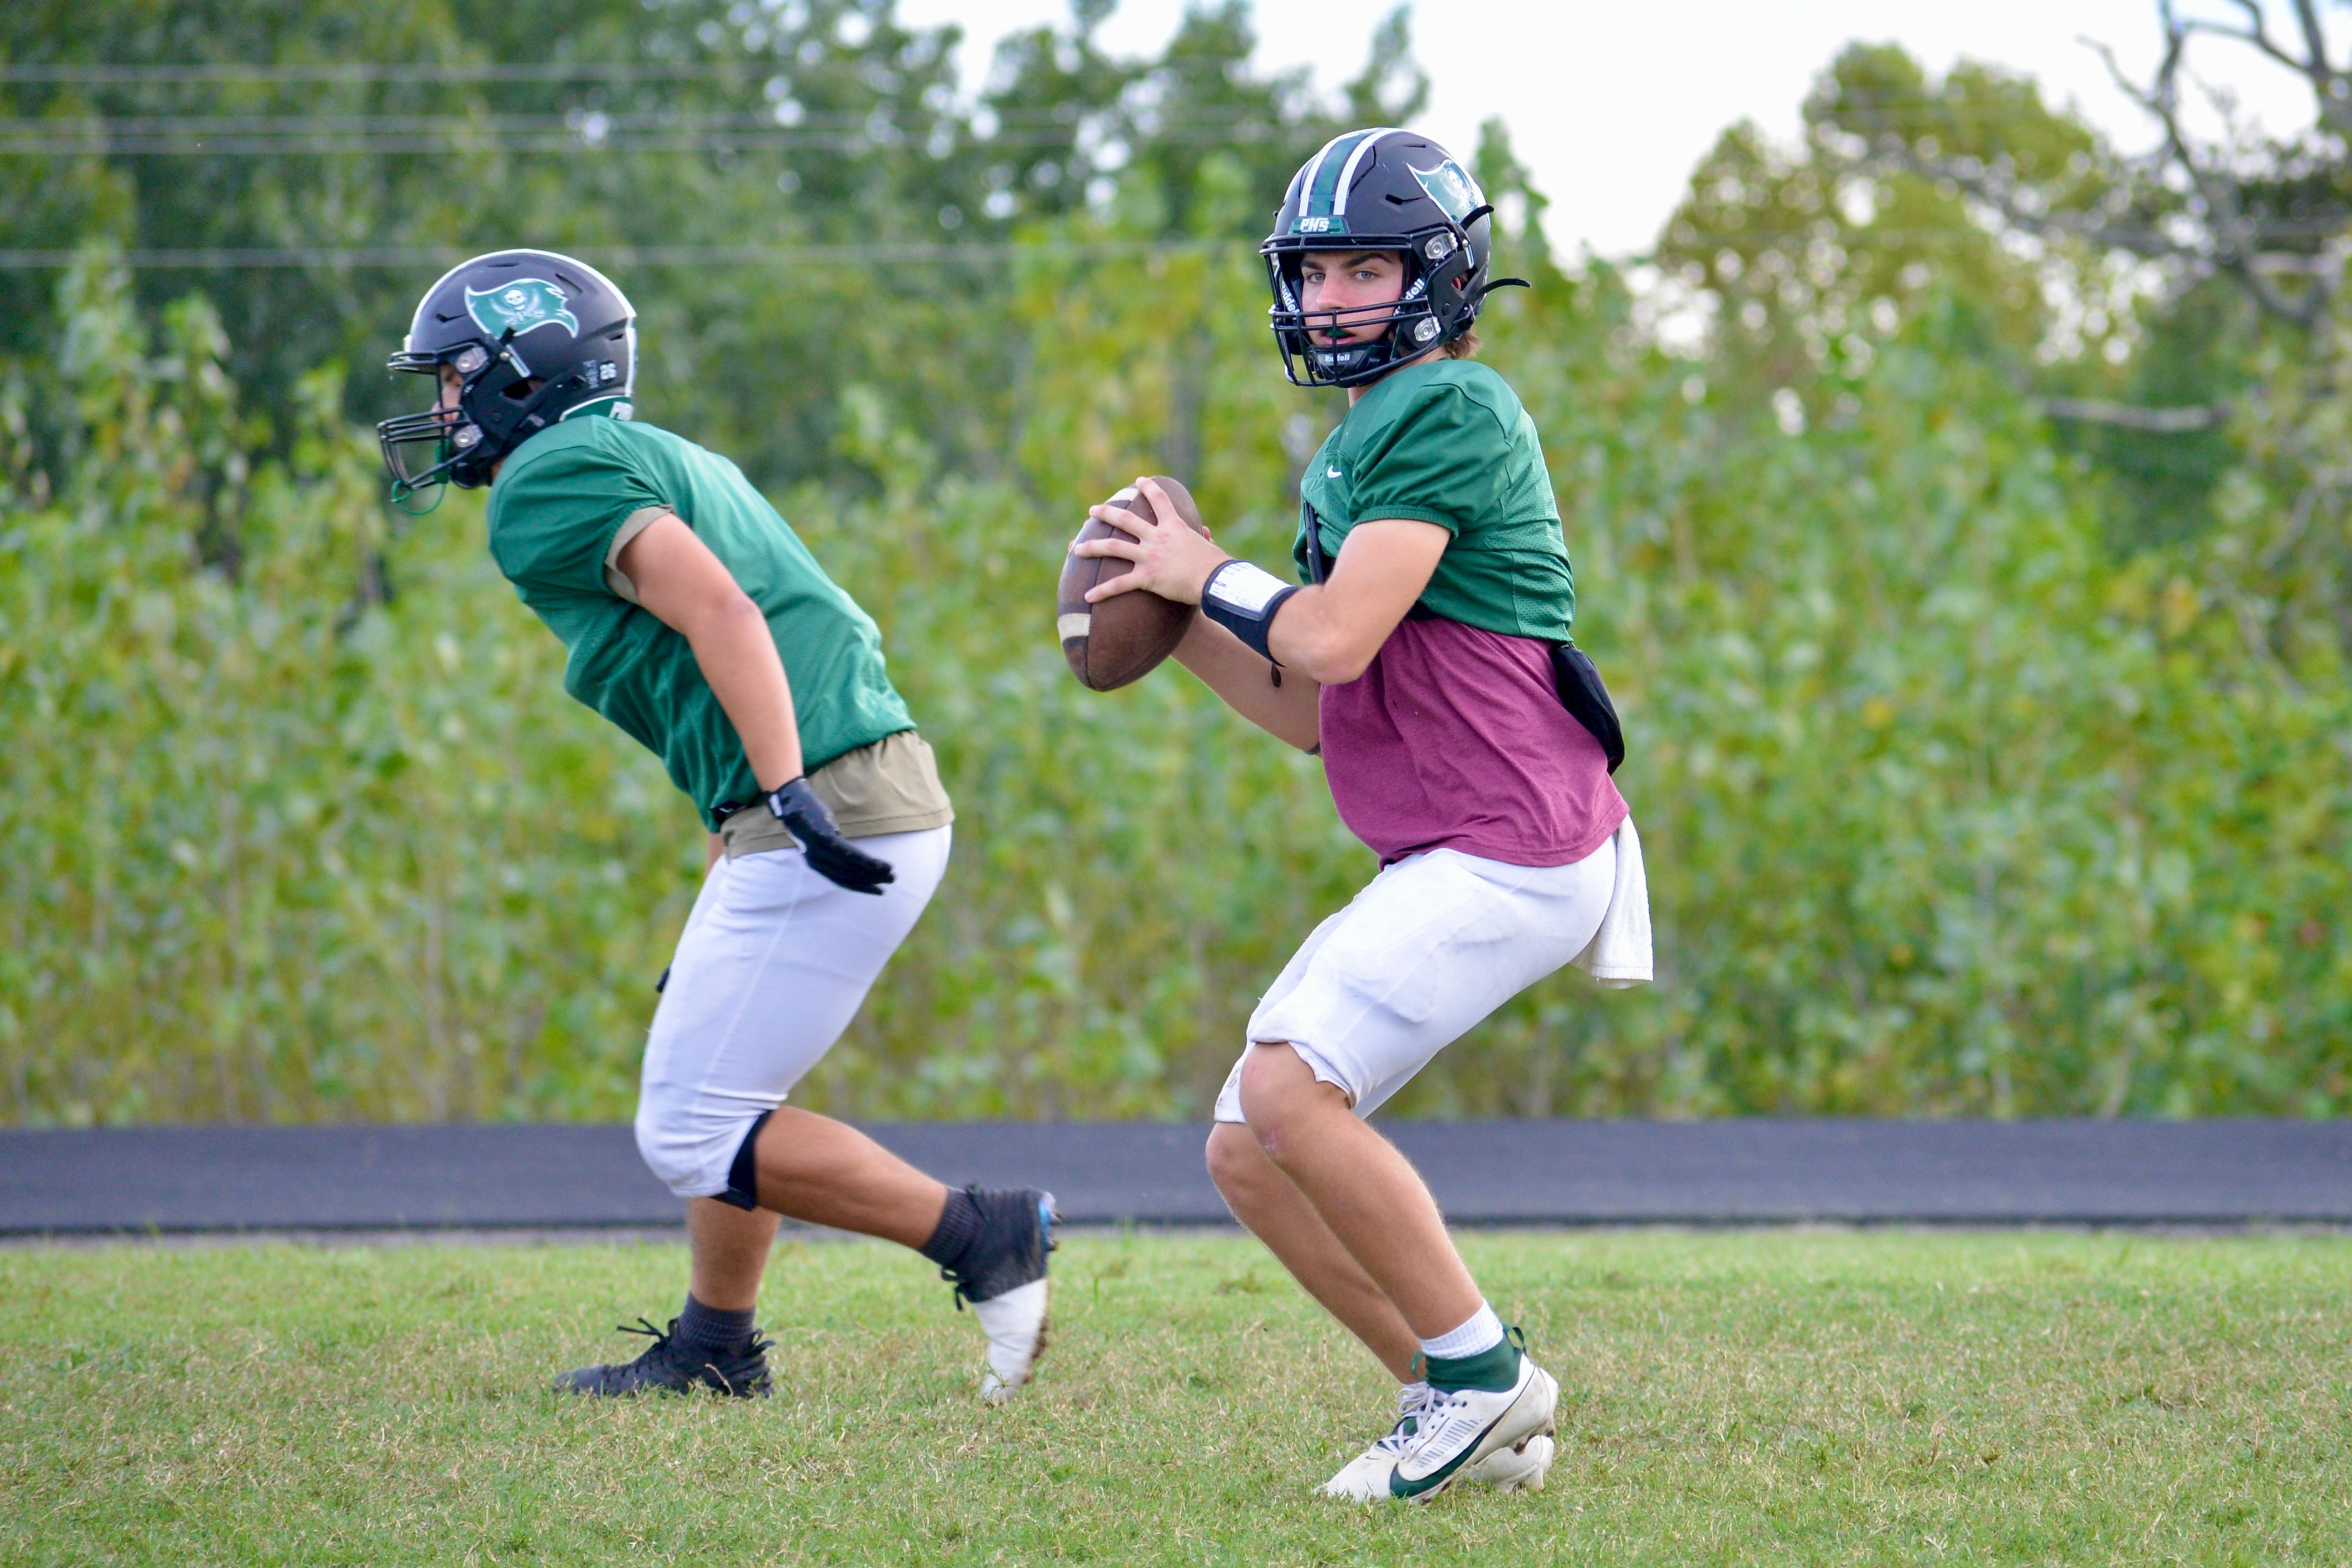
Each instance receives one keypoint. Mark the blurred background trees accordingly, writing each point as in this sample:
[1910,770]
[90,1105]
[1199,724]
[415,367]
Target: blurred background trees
[1953,497]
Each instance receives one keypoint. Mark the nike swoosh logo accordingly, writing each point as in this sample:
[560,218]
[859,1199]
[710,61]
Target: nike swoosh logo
[1330,473]
[1401,1486]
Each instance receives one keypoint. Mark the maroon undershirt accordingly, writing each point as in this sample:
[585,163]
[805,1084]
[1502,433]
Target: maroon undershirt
[1455,739]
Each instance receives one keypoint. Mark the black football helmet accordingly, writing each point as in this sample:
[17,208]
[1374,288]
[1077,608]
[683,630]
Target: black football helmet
[533,336]
[1382,189]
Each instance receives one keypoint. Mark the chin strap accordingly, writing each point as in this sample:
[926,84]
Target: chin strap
[1487,288]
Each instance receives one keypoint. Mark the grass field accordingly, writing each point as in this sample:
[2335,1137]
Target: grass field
[1744,1397]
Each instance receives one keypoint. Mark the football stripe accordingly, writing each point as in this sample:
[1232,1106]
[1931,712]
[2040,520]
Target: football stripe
[1077,626]
[1355,160]
[1317,203]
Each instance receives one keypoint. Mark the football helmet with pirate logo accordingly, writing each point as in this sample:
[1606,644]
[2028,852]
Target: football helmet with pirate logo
[534,338]
[1389,190]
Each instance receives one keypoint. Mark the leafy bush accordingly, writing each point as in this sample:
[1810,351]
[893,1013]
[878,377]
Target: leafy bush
[1946,809]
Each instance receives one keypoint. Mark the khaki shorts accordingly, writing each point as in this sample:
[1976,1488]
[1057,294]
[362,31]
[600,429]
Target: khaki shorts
[891,786]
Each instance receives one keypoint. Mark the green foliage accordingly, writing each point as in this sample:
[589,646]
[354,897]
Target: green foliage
[1983,766]
[289,840]
[1808,254]
[1946,810]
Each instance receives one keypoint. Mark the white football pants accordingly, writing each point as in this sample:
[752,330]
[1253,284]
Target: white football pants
[773,964]
[1429,947]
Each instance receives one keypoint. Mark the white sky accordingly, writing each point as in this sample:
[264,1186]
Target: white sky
[1611,105]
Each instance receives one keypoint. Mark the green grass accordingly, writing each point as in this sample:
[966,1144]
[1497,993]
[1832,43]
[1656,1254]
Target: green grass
[1765,1397]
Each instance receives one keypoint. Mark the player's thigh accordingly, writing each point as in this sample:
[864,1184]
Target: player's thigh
[778,964]
[1436,944]
[1229,1098]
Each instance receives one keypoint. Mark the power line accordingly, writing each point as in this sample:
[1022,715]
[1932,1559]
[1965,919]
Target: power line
[796,117]
[265,259]
[580,131]
[584,141]
[235,72]
[897,253]
[83,75]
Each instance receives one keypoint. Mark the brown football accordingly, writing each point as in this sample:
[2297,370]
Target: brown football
[1119,640]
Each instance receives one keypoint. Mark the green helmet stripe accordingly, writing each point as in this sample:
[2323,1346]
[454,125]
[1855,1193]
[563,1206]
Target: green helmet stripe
[1355,160]
[1323,176]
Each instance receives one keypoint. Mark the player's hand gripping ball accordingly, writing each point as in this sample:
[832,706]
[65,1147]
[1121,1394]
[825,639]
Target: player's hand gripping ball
[1118,639]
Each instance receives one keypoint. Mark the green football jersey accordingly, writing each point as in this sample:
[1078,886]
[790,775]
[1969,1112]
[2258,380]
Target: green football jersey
[556,507]
[1446,441]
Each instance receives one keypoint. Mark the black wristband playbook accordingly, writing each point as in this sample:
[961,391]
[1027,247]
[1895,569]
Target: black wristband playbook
[1243,599]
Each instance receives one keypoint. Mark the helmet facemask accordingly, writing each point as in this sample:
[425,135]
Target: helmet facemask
[1437,267]
[426,452]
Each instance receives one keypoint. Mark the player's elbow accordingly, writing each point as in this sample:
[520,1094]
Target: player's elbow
[1330,658]
[1344,666]
[726,612]
[1328,648]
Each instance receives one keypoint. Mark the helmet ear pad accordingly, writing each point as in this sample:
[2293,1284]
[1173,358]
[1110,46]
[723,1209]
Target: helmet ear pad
[1449,282]
[501,402]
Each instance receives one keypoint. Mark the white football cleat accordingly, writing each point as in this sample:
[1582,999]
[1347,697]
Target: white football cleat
[1015,1325]
[1365,1477]
[1522,1468]
[1465,1427]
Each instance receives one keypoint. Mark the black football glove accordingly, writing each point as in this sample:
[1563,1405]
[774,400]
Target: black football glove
[830,855]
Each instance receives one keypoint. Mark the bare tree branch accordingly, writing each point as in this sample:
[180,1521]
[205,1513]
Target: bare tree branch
[2328,83]
[2236,242]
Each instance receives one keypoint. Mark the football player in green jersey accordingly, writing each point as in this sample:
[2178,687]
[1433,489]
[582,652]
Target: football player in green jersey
[695,619]
[1423,653]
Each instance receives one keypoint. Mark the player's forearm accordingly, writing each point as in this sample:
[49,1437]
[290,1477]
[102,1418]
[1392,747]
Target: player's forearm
[1289,711]
[738,659]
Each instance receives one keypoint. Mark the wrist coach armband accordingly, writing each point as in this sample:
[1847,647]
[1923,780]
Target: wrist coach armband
[1243,598]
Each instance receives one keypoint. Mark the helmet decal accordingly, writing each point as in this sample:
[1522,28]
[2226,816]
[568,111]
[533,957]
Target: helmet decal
[522,306]
[1304,183]
[1452,188]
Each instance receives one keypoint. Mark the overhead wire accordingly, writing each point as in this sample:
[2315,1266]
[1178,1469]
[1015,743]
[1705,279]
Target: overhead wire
[889,253]
[64,73]
[265,258]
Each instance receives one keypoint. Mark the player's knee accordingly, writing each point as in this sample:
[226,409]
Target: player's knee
[1236,1164]
[1277,1089]
[666,1145]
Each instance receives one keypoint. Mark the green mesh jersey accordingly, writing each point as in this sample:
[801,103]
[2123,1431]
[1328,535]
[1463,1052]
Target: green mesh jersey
[1445,441]
[555,508]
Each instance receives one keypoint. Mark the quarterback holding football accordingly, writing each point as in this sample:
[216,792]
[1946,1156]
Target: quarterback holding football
[695,619]
[1423,650]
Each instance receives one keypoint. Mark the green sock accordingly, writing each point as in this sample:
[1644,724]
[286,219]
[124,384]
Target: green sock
[1493,1370]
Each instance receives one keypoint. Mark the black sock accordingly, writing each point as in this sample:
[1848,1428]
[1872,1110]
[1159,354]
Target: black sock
[711,1330]
[959,1223]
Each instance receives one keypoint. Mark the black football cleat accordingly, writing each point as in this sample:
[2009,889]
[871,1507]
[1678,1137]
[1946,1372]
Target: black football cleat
[669,1366]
